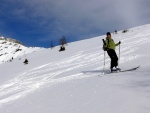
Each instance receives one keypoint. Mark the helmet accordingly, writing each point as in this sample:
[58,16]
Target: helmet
[108,33]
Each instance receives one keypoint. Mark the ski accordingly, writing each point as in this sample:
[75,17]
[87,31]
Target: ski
[131,69]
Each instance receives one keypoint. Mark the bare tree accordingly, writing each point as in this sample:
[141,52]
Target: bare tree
[62,42]
[52,45]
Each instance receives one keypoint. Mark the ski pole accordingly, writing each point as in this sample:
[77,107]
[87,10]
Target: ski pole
[119,55]
[104,62]
[104,55]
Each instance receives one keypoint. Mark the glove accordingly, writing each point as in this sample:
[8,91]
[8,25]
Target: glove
[119,42]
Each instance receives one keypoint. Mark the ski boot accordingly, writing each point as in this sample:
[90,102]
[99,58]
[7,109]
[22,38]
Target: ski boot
[113,70]
[117,68]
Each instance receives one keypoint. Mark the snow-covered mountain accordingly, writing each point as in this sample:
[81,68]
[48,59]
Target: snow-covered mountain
[72,81]
[11,48]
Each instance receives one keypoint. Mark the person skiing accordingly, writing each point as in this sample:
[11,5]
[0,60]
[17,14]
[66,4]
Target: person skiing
[110,48]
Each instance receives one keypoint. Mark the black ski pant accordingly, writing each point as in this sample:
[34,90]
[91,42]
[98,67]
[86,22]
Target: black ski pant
[113,56]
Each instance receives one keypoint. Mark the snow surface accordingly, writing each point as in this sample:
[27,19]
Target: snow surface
[9,49]
[72,81]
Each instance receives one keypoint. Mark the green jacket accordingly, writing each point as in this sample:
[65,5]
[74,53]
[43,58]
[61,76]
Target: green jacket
[110,44]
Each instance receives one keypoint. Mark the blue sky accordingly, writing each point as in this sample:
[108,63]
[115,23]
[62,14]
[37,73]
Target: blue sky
[38,22]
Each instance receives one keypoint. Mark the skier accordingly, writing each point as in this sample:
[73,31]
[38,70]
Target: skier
[26,61]
[110,48]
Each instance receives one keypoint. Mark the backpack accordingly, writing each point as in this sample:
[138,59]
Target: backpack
[105,48]
[104,45]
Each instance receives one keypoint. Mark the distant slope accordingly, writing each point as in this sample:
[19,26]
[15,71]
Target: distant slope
[11,48]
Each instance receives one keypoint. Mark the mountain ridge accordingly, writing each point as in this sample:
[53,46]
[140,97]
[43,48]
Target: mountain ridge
[11,40]
[12,48]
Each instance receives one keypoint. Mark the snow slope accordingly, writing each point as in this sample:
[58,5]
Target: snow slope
[11,48]
[72,81]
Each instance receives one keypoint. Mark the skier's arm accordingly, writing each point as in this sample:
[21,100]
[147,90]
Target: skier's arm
[118,43]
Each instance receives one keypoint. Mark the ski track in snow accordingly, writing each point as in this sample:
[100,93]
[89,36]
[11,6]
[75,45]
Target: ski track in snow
[48,74]
[37,77]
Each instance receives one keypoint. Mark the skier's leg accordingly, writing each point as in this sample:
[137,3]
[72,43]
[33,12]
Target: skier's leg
[110,53]
[116,61]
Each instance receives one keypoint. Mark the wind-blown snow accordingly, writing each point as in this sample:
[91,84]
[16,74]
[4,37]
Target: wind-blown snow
[72,81]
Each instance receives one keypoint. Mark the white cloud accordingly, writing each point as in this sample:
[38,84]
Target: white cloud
[94,11]
[82,17]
